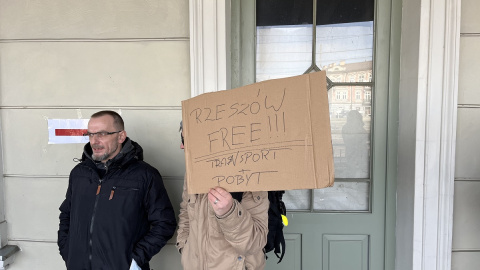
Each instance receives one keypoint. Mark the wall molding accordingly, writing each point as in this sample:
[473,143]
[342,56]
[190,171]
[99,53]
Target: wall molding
[436,133]
[209,44]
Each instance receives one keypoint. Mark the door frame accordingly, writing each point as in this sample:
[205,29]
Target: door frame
[414,202]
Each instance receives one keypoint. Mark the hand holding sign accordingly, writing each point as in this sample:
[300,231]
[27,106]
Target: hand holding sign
[221,200]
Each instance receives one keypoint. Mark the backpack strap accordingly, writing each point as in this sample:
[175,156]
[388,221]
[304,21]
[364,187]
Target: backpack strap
[279,210]
[279,241]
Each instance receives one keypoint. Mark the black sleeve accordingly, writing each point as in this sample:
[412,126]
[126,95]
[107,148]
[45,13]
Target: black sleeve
[161,218]
[64,225]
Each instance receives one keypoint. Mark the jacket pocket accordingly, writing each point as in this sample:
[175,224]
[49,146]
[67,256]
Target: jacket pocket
[123,191]
[128,188]
[122,200]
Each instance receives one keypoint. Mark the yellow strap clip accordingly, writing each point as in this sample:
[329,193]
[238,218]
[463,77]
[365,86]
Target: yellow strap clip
[284,220]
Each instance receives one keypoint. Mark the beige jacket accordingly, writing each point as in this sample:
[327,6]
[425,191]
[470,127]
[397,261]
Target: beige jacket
[234,241]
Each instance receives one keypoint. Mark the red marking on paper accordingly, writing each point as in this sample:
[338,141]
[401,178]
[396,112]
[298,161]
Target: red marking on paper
[70,132]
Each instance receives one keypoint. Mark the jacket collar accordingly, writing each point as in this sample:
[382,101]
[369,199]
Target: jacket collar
[130,150]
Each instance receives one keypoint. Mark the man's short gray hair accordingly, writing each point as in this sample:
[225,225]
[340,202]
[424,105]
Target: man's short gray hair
[117,119]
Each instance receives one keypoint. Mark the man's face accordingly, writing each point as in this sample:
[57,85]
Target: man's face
[108,146]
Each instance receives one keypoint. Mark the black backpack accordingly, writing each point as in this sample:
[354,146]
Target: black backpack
[275,239]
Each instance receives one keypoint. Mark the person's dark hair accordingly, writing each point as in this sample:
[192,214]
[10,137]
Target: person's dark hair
[181,132]
[117,119]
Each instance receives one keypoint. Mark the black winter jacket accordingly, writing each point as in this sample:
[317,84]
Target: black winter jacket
[105,222]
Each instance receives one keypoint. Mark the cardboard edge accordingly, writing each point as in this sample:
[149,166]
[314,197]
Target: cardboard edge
[314,156]
[315,79]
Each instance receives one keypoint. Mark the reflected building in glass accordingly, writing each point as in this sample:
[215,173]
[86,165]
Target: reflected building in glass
[350,117]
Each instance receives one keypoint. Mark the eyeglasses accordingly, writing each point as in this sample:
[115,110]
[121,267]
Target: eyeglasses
[181,135]
[100,134]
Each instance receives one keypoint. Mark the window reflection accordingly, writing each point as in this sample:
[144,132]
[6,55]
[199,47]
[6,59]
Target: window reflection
[283,51]
[351,141]
[343,47]
[343,196]
[344,51]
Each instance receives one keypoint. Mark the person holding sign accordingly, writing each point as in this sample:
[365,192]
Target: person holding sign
[116,213]
[216,232]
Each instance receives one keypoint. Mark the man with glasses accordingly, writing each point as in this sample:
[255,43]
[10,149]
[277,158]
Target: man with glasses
[217,232]
[117,213]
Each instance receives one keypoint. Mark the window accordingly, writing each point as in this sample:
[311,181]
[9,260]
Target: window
[368,96]
[341,95]
[336,37]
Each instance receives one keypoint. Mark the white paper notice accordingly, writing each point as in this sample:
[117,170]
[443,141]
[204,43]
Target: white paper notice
[62,131]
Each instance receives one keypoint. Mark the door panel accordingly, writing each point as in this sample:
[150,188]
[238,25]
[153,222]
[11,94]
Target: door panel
[336,247]
[342,227]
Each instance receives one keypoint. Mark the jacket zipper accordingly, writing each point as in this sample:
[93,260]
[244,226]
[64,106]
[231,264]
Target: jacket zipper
[92,221]
[97,196]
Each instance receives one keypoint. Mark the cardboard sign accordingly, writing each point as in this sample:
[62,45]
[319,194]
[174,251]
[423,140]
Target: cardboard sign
[271,135]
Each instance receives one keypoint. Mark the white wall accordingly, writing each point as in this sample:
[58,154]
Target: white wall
[466,230]
[66,60]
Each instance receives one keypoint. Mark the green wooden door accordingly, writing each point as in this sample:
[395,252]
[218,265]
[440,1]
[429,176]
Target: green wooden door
[348,226]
